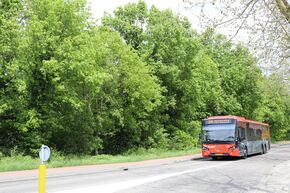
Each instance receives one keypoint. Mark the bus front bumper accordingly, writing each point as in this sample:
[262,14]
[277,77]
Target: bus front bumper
[211,151]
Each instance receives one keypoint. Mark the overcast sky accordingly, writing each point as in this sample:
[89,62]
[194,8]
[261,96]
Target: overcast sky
[177,6]
[98,7]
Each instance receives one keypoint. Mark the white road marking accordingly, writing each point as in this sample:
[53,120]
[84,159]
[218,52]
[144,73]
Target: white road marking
[114,187]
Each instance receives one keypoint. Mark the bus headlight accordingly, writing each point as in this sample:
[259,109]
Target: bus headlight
[232,148]
[205,148]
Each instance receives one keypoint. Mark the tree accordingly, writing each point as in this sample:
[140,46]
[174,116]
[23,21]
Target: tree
[53,106]
[126,98]
[143,79]
[168,44]
[240,76]
[12,82]
[70,84]
[265,22]
[130,22]
[274,107]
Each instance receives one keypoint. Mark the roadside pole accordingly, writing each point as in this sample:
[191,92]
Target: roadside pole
[44,154]
[42,176]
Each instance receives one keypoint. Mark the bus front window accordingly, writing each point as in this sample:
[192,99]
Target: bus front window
[218,133]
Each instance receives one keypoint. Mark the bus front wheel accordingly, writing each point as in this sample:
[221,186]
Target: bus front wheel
[245,153]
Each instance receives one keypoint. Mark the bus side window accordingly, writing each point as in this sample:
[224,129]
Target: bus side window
[242,133]
[259,134]
[262,132]
[255,134]
[248,134]
[251,134]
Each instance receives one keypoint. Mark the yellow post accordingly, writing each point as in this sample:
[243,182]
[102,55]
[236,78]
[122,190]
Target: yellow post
[41,182]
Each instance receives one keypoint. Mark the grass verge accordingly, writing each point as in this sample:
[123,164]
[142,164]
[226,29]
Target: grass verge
[280,142]
[19,162]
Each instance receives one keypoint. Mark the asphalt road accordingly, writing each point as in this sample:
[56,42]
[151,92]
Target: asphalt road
[260,173]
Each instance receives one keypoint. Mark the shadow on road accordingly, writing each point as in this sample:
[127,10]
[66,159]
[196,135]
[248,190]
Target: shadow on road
[220,158]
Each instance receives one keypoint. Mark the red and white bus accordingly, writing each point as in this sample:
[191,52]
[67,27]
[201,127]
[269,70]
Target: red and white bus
[233,136]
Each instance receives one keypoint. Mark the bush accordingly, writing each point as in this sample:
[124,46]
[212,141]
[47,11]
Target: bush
[182,140]
[161,140]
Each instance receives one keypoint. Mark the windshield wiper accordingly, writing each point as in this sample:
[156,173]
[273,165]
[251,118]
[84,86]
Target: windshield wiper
[214,141]
[218,141]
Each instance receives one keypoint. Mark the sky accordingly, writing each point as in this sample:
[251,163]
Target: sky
[98,7]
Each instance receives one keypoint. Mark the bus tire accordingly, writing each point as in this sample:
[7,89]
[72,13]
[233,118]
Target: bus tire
[245,153]
[262,150]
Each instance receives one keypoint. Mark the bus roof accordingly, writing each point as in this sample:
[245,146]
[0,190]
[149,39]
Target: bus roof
[237,118]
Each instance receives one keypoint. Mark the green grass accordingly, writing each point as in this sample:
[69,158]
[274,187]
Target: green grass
[15,163]
[279,142]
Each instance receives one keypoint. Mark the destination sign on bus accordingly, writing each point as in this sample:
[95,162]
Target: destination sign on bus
[218,121]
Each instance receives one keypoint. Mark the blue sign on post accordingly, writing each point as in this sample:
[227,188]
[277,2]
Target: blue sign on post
[44,153]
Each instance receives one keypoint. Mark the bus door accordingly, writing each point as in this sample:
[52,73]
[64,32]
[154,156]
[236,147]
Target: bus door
[242,141]
[250,140]
[259,141]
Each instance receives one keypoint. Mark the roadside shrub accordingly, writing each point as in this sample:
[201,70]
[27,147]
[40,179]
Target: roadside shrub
[135,151]
[161,140]
[182,140]
[1,155]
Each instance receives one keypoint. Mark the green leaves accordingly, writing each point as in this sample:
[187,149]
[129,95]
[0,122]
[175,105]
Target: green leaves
[274,107]
[130,22]
[127,97]
[143,78]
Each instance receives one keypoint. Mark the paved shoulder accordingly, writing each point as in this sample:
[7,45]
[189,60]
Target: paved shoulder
[74,170]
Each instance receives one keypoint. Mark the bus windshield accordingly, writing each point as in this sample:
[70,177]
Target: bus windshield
[218,133]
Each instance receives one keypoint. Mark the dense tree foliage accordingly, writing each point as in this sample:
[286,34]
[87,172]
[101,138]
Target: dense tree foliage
[239,74]
[274,107]
[12,84]
[143,78]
